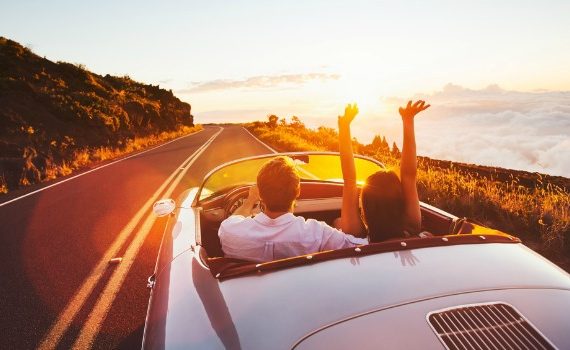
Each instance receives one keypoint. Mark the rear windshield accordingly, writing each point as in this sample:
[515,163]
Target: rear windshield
[312,167]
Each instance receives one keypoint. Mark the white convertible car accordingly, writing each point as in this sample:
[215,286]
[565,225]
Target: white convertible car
[467,287]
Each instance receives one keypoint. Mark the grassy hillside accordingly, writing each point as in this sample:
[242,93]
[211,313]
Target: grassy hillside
[57,117]
[533,206]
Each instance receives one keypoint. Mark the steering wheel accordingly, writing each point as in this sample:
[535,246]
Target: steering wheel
[235,199]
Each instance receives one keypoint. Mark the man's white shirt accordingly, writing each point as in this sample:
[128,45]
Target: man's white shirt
[263,239]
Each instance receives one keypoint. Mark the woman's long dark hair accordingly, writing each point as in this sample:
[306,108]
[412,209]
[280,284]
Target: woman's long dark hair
[383,206]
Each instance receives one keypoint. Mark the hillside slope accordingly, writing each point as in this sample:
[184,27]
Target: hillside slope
[51,112]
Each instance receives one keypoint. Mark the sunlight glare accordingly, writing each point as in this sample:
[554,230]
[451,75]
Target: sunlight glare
[363,92]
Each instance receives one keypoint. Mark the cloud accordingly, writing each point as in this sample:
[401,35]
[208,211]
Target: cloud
[259,82]
[492,126]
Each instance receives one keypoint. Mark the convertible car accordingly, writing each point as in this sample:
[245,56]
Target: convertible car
[464,287]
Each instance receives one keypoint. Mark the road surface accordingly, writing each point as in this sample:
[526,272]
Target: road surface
[57,284]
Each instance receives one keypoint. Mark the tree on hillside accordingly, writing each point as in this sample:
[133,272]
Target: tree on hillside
[379,145]
[297,123]
[395,150]
[385,145]
[272,121]
[376,141]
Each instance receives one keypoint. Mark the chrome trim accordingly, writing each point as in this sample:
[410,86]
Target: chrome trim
[317,204]
[155,272]
[198,257]
[464,328]
[438,211]
[151,281]
[197,225]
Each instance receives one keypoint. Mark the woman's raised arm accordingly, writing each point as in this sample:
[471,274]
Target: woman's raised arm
[408,167]
[350,213]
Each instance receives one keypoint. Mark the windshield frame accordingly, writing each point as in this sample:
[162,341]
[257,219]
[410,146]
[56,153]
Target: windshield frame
[198,201]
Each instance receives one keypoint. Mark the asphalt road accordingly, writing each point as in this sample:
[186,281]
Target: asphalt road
[52,242]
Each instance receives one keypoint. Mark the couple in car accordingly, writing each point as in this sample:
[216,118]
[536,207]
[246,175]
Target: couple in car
[387,206]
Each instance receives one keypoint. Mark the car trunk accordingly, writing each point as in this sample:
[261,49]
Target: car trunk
[281,308]
[497,319]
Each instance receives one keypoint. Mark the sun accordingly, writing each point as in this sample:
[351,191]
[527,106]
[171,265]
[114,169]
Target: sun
[364,92]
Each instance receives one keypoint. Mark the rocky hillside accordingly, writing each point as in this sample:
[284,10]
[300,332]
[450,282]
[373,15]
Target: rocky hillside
[49,111]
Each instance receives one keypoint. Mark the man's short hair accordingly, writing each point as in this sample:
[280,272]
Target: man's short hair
[278,183]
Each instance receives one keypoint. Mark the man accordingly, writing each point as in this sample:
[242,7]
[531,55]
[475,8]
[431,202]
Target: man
[276,233]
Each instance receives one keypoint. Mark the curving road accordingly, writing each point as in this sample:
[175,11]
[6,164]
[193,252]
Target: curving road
[57,286]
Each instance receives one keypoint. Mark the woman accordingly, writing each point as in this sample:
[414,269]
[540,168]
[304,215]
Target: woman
[390,205]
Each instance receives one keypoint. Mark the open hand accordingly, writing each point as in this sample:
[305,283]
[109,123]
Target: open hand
[349,113]
[412,109]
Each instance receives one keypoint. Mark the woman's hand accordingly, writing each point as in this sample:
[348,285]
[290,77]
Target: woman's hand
[411,110]
[349,113]
[408,167]
[350,214]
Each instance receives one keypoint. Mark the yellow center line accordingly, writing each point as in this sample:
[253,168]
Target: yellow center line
[95,320]
[61,325]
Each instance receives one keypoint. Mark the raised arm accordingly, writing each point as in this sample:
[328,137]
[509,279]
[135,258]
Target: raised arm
[408,167]
[350,215]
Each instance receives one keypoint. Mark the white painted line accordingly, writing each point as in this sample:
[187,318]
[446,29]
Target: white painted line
[95,169]
[258,140]
[58,329]
[306,172]
[95,320]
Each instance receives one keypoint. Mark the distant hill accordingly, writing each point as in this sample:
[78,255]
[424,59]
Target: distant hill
[49,111]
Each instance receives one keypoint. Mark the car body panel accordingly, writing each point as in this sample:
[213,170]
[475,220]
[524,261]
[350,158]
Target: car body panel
[204,312]
[405,326]
[377,299]
[180,230]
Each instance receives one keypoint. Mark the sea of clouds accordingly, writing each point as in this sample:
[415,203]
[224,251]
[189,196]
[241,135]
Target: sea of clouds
[492,126]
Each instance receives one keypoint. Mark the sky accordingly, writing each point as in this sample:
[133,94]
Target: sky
[496,72]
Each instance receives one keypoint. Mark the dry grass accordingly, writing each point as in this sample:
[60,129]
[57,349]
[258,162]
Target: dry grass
[87,157]
[3,185]
[296,137]
[539,214]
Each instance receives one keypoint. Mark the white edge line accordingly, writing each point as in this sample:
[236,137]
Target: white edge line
[96,168]
[309,174]
[97,315]
[258,140]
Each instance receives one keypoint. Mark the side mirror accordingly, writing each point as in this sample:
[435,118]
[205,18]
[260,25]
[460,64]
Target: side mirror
[163,207]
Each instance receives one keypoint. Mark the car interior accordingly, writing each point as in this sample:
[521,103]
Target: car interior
[318,200]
